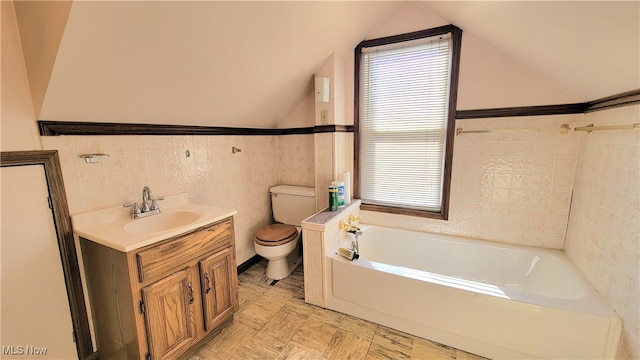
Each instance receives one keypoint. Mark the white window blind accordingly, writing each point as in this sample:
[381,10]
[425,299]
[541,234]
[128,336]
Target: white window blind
[404,91]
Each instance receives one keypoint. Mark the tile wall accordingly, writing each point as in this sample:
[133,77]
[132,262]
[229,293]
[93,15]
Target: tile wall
[603,236]
[507,187]
[296,160]
[324,148]
[211,175]
[333,155]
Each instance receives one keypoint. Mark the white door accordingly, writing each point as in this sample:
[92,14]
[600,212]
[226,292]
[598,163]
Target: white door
[36,320]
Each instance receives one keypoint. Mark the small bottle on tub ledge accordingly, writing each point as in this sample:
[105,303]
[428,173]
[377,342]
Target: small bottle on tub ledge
[333,198]
[340,186]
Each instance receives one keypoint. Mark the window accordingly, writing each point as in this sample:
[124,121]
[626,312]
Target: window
[406,87]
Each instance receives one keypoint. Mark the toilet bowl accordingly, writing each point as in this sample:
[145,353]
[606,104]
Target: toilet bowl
[280,244]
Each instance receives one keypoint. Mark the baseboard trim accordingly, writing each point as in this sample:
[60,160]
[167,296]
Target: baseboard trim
[247,264]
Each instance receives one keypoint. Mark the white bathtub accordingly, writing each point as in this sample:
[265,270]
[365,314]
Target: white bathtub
[494,300]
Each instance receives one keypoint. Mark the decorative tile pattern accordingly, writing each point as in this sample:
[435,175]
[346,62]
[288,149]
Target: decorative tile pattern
[296,160]
[324,167]
[211,174]
[506,187]
[603,236]
[295,330]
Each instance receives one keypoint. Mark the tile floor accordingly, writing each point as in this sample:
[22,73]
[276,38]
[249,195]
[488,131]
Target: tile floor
[274,322]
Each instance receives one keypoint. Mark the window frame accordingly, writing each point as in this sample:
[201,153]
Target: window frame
[456,37]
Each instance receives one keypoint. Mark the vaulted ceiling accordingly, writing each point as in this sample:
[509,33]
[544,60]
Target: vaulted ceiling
[590,48]
[249,64]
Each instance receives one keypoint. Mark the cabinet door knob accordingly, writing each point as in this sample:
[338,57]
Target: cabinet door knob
[208,289]
[191,293]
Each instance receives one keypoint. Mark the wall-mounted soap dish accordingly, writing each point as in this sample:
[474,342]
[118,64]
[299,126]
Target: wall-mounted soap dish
[93,158]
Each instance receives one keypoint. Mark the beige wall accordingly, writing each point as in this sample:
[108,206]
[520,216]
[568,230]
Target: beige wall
[38,255]
[488,77]
[17,117]
[302,115]
[222,63]
[31,267]
[603,236]
[41,25]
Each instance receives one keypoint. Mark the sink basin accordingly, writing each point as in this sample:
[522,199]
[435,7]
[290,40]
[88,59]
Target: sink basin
[113,227]
[161,222]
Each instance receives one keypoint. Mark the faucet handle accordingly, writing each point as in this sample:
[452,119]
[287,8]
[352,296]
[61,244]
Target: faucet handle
[136,208]
[355,218]
[350,228]
[154,203]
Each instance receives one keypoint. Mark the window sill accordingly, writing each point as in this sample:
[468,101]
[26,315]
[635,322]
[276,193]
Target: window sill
[403,211]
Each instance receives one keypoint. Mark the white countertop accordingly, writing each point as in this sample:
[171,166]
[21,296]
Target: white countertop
[107,226]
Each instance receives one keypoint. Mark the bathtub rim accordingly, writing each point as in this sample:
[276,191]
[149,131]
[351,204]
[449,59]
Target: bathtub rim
[594,305]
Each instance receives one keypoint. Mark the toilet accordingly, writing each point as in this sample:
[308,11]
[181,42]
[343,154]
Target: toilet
[280,243]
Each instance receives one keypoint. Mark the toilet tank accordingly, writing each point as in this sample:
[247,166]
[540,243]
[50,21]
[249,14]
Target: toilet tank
[292,204]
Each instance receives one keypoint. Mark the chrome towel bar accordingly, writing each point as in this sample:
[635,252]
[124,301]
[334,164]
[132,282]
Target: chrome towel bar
[564,129]
[590,128]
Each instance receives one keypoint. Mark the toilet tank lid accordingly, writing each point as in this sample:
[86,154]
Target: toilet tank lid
[293,190]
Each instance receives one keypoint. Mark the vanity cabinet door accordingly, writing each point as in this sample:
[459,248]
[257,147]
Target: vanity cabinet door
[219,288]
[169,315]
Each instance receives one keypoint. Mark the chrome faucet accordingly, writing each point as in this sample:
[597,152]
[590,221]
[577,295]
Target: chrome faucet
[149,205]
[354,243]
[147,200]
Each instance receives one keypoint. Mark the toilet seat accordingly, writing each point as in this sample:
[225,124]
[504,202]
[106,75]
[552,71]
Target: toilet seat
[276,234]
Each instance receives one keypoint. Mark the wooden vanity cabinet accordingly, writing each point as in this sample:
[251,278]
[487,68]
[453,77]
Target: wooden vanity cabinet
[218,276]
[169,315]
[158,301]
